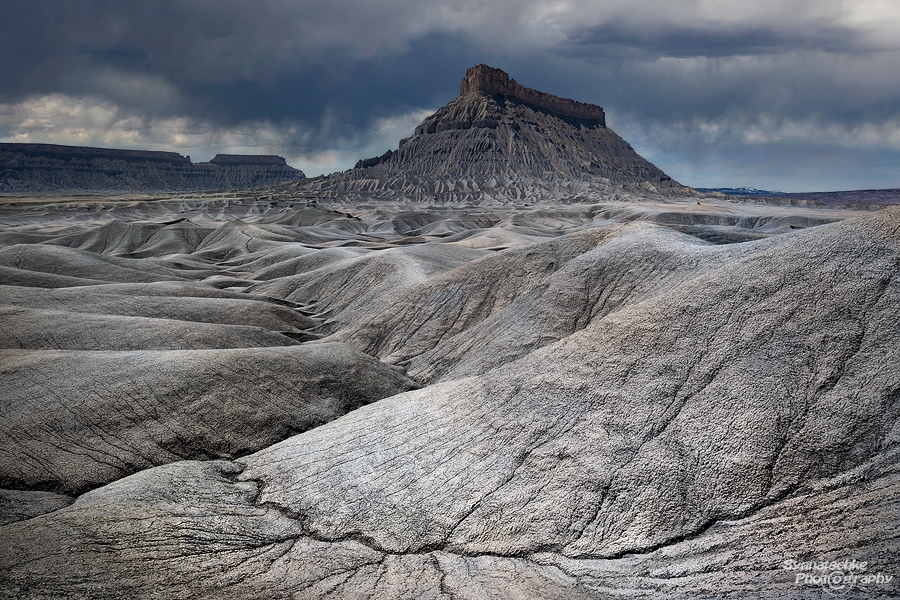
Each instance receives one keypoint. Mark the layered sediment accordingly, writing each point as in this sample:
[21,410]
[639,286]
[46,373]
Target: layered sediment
[248,159]
[486,81]
[500,141]
[69,153]
[30,168]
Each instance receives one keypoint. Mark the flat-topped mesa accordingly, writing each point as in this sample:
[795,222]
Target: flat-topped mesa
[89,153]
[486,81]
[51,167]
[248,159]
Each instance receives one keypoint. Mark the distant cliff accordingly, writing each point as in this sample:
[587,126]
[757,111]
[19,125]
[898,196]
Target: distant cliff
[486,81]
[35,168]
[248,160]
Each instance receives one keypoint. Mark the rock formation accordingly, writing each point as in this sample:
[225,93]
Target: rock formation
[29,168]
[501,141]
[69,153]
[248,159]
[483,80]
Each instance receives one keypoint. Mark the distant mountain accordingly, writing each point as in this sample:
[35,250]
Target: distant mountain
[880,197]
[502,140]
[742,191]
[42,168]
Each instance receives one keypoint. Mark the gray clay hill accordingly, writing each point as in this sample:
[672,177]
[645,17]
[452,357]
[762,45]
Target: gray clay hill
[580,381]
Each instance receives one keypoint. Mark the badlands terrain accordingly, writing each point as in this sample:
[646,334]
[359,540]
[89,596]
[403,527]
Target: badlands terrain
[544,380]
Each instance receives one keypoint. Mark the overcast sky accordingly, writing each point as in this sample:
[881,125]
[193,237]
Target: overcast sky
[798,95]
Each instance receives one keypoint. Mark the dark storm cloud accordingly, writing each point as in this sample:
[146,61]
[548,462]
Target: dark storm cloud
[621,38]
[327,82]
[240,60]
[322,74]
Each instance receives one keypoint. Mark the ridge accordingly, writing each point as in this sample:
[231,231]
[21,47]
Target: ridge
[486,81]
[41,168]
[90,153]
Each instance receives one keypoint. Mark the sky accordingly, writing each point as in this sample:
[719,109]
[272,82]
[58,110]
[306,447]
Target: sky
[794,95]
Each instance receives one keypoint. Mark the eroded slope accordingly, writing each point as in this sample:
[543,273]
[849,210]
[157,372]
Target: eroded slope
[622,409]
